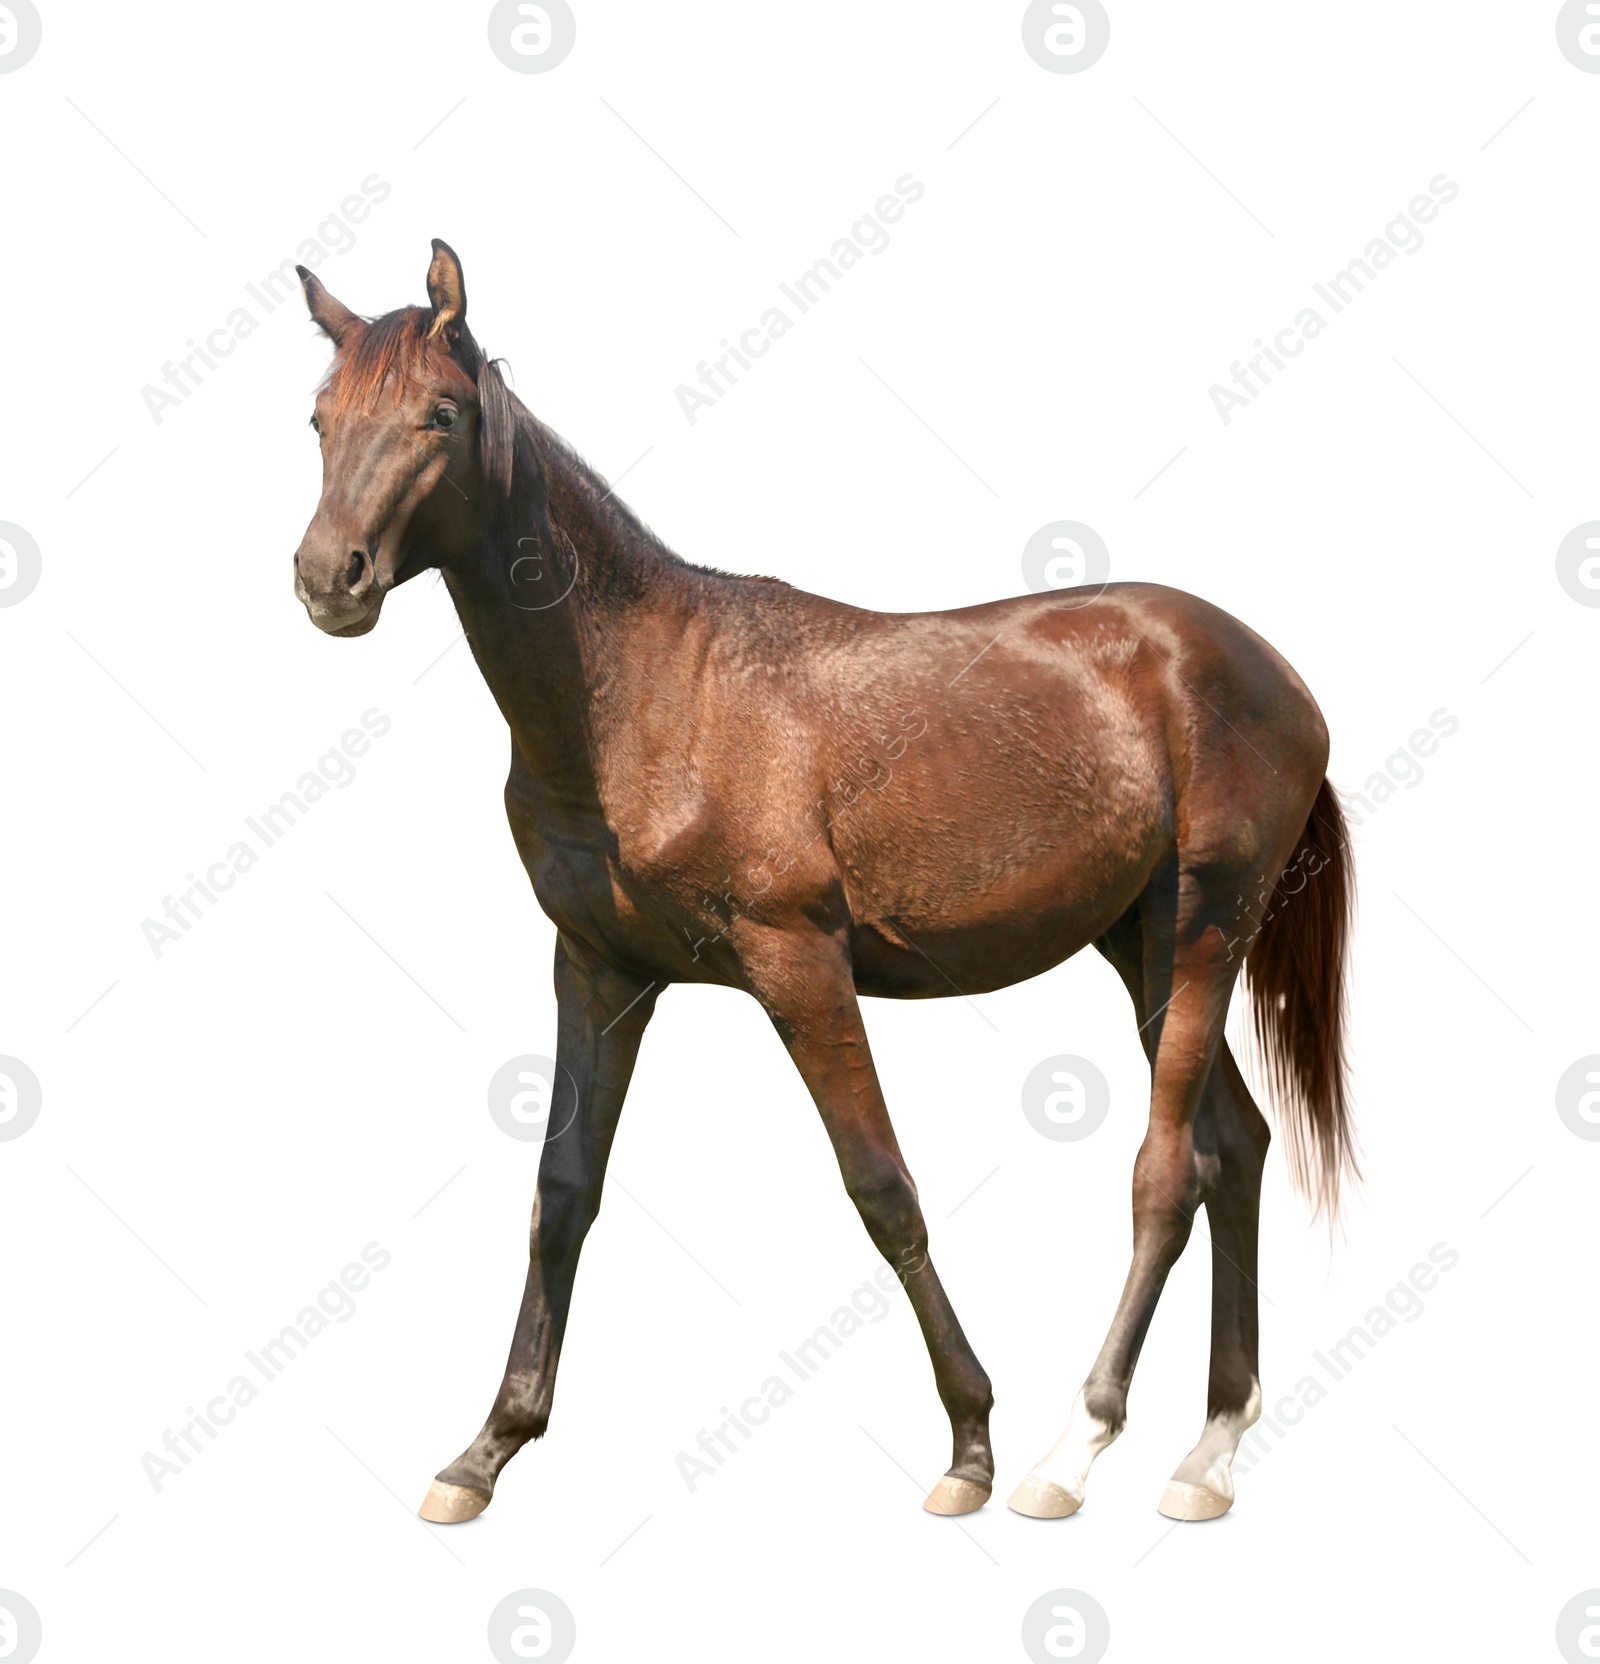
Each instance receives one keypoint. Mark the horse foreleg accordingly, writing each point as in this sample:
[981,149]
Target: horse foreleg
[602,1017]
[807,989]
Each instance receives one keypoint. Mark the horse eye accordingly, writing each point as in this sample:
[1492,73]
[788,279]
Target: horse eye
[316,426]
[445,416]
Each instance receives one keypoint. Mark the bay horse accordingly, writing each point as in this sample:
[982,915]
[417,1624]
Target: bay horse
[722,779]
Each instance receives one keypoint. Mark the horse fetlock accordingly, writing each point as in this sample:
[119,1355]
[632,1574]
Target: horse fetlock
[973,1458]
[1201,1487]
[1055,1487]
[1106,1402]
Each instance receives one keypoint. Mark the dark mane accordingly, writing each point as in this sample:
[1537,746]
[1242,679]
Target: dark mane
[557,457]
[397,346]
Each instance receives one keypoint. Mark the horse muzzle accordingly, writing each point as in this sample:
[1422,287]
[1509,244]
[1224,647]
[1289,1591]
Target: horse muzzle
[345,602]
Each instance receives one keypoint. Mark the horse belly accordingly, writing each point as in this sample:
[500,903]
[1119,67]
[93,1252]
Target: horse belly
[995,916]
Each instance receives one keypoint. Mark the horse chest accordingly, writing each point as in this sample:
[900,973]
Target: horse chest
[631,912]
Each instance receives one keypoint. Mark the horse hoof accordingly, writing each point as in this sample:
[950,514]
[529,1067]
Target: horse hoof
[1040,1500]
[1183,1501]
[956,1496]
[450,1504]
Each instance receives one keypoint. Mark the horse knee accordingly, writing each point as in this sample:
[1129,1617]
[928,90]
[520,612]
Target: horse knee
[886,1199]
[564,1209]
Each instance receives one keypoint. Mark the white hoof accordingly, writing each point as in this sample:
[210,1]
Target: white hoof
[956,1496]
[1202,1487]
[1183,1501]
[451,1504]
[1041,1500]
[1055,1486]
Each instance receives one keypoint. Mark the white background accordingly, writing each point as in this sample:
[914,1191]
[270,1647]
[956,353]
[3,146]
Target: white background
[274,1092]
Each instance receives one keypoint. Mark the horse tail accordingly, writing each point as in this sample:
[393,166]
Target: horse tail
[1295,973]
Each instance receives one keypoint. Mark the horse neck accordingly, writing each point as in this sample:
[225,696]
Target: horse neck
[554,666]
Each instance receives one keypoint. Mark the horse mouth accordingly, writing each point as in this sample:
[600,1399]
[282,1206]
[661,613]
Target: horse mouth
[328,619]
[361,625]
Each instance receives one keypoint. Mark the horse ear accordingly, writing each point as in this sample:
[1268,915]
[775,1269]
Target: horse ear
[332,317]
[447,290]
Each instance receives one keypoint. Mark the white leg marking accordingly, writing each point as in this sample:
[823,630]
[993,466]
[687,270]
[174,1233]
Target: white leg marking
[1055,1487]
[1202,1486]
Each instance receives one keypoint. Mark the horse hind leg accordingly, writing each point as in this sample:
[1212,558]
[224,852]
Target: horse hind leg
[1201,1487]
[1181,977]
[1055,1487]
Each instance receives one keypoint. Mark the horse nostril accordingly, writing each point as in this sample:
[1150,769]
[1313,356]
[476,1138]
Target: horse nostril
[358,565]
